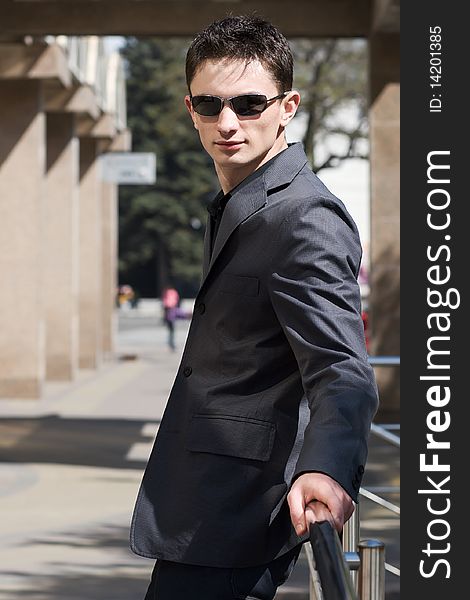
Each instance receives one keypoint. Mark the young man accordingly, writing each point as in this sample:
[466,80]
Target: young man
[266,425]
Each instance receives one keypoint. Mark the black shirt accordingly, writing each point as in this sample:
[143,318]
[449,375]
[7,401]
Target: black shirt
[216,209]
[218,204]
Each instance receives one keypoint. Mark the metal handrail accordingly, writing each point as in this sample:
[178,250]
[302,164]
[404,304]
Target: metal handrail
[330,576]
[395,440]
[385,435]
[379,500]
[384,361]
[372,573]
[351,537]
[328,561]
[382,432]
[365,559]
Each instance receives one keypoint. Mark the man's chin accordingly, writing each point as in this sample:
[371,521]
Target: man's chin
[230,152]
[236,158]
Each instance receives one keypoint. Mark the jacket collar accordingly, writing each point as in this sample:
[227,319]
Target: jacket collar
[251,195]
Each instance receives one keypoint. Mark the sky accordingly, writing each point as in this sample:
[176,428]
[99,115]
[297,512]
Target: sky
[113,42]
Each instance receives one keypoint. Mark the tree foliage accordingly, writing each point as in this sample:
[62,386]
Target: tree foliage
[162,226]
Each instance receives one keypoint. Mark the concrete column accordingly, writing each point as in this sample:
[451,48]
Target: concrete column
[385,212]
[90,286]
[22,166]
[109,265]
[61,244]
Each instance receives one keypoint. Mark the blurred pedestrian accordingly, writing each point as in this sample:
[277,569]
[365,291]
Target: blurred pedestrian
[170,304]
[126,297]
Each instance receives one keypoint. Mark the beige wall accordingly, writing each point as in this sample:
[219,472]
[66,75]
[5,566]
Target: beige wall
[61,248]
[58,237]
[22,166]
[109,194]
[90,294]
[385,212]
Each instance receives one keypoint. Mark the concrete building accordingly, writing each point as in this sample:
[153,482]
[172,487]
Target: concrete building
[42,99]
[62,104]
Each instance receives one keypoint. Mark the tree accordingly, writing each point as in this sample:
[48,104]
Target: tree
[162,226]
[331,75]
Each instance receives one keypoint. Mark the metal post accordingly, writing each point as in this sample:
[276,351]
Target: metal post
[372,570]
[351,537]
[315,591]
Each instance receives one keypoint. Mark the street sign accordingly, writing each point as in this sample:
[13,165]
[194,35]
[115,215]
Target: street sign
[129,168]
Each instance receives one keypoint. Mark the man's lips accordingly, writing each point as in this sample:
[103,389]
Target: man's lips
[229,144]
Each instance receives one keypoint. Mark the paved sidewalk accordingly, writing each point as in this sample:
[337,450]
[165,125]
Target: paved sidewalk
[70,468]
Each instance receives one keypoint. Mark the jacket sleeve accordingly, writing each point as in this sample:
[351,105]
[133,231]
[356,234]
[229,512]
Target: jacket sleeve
[316,297]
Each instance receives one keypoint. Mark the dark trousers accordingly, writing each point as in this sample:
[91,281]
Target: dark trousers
[171,333]
[176,581]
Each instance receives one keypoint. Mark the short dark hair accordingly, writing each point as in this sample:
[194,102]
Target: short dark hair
[247,38]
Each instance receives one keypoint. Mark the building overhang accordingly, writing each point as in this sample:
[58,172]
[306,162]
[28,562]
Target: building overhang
[320,18]
[34,61]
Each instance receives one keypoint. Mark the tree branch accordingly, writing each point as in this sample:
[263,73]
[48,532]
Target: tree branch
[334,159]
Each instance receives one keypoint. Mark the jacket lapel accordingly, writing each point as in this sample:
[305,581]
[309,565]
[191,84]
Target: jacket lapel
[243,203]
[248,198]
[207,247]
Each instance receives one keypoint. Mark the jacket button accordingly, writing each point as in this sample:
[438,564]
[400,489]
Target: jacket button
[201,308]
[187,371]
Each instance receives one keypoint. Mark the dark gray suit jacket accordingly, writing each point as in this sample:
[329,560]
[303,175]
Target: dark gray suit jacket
[274,380]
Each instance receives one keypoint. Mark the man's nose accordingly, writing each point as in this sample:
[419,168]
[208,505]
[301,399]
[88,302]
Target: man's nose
[228,120]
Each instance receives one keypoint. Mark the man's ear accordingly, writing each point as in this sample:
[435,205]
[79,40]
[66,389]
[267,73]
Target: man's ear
[290,105]
[189,106]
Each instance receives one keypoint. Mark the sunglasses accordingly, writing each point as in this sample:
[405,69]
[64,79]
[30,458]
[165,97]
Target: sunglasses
[246,105]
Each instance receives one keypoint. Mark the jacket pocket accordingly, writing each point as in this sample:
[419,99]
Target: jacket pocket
[239,284]
[230,435]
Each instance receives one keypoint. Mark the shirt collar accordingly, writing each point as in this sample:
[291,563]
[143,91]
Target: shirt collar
[220,201]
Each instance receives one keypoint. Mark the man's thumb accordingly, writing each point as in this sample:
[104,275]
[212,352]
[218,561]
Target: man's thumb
[297,510]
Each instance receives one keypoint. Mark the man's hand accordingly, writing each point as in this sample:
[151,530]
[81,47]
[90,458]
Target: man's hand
[317,497]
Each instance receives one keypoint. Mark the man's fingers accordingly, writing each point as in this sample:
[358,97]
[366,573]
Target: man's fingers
[316,512]
[341,510]
[319,487]
[349,512]
[296,503]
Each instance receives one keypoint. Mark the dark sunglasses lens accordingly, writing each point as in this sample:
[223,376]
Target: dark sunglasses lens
[249,105]
[208,106]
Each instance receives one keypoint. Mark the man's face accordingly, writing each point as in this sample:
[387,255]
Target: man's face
[239,144]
